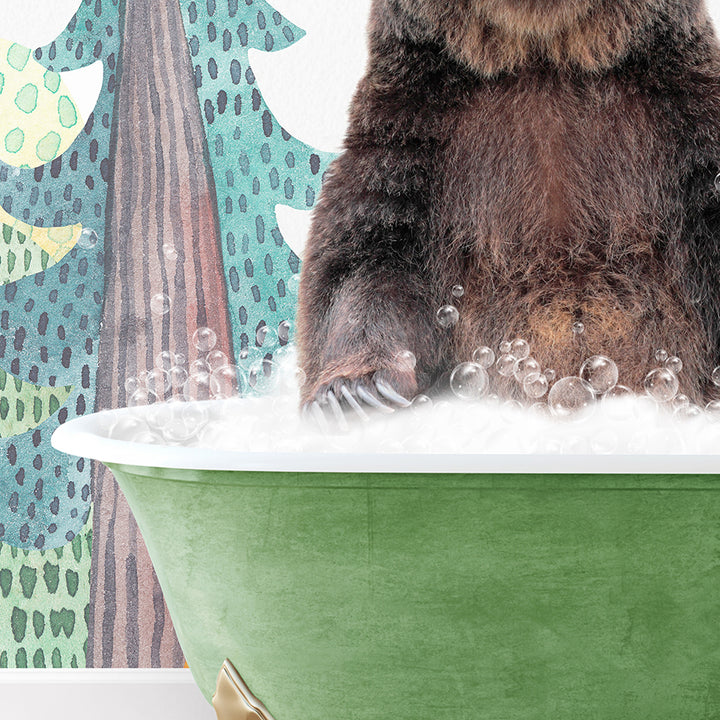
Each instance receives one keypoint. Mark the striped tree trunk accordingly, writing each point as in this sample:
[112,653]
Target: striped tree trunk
[162,237]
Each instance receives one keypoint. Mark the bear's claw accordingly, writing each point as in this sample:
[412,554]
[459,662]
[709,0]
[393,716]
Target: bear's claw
[353,403]
[389,393]
[328,408]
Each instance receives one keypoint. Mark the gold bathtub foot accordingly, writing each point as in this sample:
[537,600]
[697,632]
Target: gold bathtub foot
[233,700]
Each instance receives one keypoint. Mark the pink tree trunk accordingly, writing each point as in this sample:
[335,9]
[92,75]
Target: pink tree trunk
[162,236]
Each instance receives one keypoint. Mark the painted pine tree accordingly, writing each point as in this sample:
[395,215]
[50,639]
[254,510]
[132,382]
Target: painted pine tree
[52,202]
[38,118]
[256,163]
[52,275]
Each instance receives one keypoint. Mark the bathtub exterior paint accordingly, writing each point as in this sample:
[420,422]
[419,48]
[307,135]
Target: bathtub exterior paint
[419,596]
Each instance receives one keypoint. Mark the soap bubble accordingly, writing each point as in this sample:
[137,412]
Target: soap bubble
[674,364]
[661,384]
[713,410]
[216,359]
[447,316]
[571,397]
[661,355]
[263,376]
[177,375]
[578,328]
[165,360]
[157,381]
[506,365]
[715,377]
[458,291]
[618,392]
[142,397]
[132,384]
[250,355]
[550,374]
[156,415]
[469,381]
[197,386]
[199,365]
[284,329]
[505,347]
[527,369]
[536,386]
[227,381]
[484,356]
[88,239]
[688,412]
[405,360]
[717,182]
[266,337]
[680,401]
[180,359]
[204,339]
[126,427]
[519,349]
[540,409]
[600,373]
[169,252]
[184,421]
[160,304]
[421,402]
[293,284]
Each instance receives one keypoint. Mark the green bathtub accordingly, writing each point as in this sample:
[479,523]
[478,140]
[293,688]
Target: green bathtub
[341,588]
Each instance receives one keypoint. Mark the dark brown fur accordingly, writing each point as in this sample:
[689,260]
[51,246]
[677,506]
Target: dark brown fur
[554,158]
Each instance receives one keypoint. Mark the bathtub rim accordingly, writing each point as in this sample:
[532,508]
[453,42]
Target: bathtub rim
[82,437]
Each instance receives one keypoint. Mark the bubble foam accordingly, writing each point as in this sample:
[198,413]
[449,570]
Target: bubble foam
[620,425]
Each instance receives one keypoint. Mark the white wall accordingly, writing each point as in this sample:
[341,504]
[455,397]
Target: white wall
[101,695]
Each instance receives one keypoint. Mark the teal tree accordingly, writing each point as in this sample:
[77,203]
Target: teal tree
[256,163]
[51,302]
[51,293]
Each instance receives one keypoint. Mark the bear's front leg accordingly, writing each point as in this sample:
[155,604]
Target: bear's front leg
[366,329]
[369,288]
[368,341]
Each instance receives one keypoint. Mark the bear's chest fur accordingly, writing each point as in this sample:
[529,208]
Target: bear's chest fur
[550,172]
[562,203]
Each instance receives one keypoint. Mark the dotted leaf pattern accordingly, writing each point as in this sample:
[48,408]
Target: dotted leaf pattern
[24,406]
[49,321]
[44,605]
[26,250]
[256,163]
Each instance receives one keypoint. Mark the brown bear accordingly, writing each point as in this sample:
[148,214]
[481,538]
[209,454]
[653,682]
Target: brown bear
[556,158]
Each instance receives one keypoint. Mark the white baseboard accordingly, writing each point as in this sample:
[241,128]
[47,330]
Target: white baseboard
[86,694]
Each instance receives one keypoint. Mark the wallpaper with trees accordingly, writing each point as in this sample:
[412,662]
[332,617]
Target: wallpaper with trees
[167,187]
